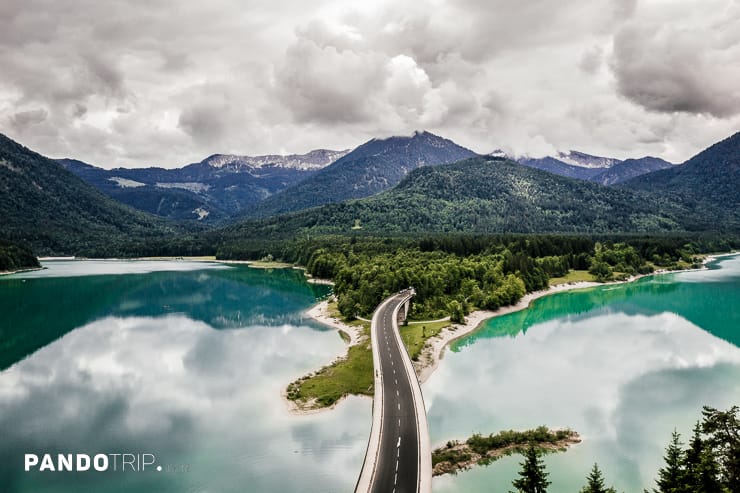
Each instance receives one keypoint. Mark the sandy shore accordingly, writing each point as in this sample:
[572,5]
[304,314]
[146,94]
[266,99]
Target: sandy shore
[320,313]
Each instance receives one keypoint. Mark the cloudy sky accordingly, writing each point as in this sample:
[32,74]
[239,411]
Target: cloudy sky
[168,82]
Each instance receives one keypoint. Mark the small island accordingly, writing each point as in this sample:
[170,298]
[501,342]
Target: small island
[458,456]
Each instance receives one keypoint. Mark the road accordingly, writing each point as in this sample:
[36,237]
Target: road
[398,458]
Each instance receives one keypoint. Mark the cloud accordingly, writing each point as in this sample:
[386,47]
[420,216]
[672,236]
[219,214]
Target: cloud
[686,65]
[168,83]
[21,120]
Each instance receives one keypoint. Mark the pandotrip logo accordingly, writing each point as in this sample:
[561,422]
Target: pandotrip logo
[112,462]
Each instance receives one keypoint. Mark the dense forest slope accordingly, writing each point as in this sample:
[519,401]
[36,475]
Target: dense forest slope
[483,195]
[53,211]
[708,184]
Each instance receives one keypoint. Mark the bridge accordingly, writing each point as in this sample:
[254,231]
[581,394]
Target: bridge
[398,457]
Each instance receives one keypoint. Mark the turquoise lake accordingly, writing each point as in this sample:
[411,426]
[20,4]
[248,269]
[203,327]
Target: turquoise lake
[623,365]
[188,360]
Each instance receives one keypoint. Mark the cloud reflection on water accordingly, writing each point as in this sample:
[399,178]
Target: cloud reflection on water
[190,394]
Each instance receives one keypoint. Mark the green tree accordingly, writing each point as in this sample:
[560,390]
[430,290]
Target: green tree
[595,482]
[723,440]
[671,477]
[533,476]
[457,314]
[702,471]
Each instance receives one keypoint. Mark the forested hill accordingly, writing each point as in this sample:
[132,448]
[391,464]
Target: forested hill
[53,211]
[482,195]
[708,184]
[377,165]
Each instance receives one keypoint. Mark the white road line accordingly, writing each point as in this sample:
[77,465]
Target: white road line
[395,380]
[396,465]
[399,406]
[396,392]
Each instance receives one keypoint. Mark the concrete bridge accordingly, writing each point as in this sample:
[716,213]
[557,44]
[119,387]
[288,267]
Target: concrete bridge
[398,457]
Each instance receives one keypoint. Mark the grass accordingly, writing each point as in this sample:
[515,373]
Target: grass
[415,336]
[350,375]
[572,276]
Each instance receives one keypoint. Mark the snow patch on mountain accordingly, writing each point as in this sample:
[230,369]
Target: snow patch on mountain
[575,158]
[193,186]
[314,160]
[126,183]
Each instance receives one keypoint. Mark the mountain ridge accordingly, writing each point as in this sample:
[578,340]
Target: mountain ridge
[372,167]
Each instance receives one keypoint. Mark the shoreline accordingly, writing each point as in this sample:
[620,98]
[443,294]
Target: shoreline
[18,271]
[432,354]
[434,348]
[320,313]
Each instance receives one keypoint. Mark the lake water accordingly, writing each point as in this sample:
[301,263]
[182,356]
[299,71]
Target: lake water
[182,360]
[622,364]
[187,361]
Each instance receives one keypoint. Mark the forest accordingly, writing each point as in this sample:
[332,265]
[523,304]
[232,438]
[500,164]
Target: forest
[16,257]
[455,274]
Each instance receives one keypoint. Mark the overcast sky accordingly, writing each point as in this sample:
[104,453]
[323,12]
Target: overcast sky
[169,82]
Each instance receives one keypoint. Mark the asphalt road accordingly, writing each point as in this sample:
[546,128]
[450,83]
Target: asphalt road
[397,466]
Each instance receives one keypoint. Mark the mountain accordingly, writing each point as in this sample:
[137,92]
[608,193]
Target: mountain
[604,170]
[558,167]
[53,211]
[478,195]
[576,158]
[708,184]
[213,189]
[376,165]
[628,169]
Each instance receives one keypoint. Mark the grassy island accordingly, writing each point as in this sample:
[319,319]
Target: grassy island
[478,449]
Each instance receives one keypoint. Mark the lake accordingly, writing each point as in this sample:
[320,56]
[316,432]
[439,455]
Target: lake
[183,360]
[621,364]
[187,361]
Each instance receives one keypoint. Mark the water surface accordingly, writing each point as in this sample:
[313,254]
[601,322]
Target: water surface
[621,364]
[183,360]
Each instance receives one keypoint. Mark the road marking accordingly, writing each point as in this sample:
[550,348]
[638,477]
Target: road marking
[396,465]
[396,392]
[395,380]
[399,406]
[394,371]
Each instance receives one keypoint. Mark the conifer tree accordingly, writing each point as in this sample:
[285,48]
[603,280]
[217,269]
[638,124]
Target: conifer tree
[533,475]
[595,482]
[671,476]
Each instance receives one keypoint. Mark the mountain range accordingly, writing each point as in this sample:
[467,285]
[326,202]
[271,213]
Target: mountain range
[376,165]
[419,184]
[598,169]
[483,194]
[211,190]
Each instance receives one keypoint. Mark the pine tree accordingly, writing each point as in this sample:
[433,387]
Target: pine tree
[723,441]
[671,477]
[596,482]
[533,476]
